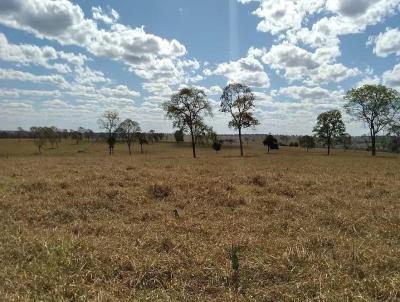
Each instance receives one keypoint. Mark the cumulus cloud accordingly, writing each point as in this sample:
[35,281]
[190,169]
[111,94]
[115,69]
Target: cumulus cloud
[66,23]
[16,75]
[46,56]
[386,43]
[248,70]
[392,77]
[109,18]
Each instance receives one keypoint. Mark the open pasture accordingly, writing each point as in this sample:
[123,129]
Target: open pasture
[79,225]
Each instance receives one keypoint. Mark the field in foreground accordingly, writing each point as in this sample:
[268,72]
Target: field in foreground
[78,225]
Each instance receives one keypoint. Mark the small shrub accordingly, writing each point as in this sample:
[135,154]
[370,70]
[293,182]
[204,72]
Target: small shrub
[160,191]
[258,180]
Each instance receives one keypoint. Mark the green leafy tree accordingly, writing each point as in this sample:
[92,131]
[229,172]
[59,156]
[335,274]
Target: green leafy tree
[271,142]
[217,145]
[109,121]
[375,105]
[238,101]
[187,110]
[330,127]
[179,136]
[307,142]
[128,130]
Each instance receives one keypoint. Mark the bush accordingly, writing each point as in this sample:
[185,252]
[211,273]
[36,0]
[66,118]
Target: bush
[160,191]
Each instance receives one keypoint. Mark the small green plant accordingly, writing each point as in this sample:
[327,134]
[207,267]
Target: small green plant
[233,254]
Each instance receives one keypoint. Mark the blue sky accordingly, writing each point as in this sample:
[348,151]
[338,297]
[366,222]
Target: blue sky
[64,62]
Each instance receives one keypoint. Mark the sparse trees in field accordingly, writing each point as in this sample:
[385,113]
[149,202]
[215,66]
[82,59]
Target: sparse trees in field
[179,136]
[238,101]
[187,110]
[270,142]
[346,141]
[88,134]
[375,105]
[128,130]
[76,135]
[39,137]
[307,142]
[142,141]
[109,121]
[330,127]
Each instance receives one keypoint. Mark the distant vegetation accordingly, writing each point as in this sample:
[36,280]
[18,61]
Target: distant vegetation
[377,106]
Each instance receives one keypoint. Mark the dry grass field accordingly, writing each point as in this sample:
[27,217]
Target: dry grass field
[79,225]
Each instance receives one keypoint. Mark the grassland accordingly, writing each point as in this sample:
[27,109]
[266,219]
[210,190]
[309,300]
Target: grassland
[78,225]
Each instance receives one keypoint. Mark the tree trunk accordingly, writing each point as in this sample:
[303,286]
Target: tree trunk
[110,150]
[129,147]
[329,146]
[373,142]
[240,142]
[268,148]
[193,143]
[141,148]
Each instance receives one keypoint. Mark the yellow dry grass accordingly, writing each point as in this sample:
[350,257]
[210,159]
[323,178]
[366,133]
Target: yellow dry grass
[83,226]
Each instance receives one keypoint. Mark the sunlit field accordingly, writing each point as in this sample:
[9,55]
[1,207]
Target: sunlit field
[78,225]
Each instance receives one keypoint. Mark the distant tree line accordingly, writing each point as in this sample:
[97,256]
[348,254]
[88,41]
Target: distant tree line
[377,106]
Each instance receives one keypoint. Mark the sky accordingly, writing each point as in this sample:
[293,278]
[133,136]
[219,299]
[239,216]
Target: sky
[63,62]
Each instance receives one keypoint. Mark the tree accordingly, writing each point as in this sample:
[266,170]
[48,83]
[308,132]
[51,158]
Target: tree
[346,141]
[394,133]
[109,121]
[39,137]
[187,110]
[307,142]
[217,145]
[330,127]
[179,135]
[238,100]
[142,140]
[375,105]
[76,135]
[270,142]
[128,130]
[88,134]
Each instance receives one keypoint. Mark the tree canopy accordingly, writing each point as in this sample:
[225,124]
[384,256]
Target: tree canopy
[238,100]
[187,110]
[330,127]
[376,105]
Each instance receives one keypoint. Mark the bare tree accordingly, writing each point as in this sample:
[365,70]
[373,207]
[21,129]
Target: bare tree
[238,100]
[129,129]
[187,110]
[109,121]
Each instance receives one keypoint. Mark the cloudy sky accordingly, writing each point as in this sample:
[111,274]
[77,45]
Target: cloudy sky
[64,62]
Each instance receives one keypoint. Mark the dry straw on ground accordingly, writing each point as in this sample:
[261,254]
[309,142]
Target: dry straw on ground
[79,226]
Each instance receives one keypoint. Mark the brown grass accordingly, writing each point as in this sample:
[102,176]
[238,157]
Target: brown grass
[86,226]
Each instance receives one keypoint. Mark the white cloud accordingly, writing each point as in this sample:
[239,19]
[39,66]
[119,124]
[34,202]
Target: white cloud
[109,18]
[248,70]
[386,43]
[392,77]
[66,23]
[26,54]
[16,75]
